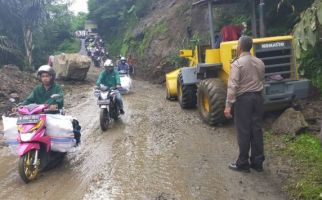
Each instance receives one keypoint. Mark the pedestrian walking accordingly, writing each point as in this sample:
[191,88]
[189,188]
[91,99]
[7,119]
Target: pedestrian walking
[245,86]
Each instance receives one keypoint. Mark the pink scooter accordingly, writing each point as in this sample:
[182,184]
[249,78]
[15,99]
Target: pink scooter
[34,145]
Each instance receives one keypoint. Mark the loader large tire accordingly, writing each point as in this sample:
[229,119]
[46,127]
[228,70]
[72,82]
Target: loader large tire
[211,101]
[187,94]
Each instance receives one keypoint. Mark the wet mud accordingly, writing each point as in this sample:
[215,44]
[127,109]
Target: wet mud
[156,151]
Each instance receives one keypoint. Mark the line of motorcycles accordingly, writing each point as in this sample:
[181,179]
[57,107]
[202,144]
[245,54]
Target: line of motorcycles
[95,49]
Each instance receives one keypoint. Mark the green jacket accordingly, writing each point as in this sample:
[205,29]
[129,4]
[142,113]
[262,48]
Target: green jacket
[109,79]
[40,96]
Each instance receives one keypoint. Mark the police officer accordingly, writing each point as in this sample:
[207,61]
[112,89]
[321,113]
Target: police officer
[245,85]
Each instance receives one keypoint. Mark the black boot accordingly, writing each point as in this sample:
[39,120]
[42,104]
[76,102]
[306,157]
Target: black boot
[122,111]
[235,167]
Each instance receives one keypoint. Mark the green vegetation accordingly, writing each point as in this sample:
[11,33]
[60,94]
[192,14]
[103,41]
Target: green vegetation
[57,35]
[116,19]
[69,46]
[308,44]
[311,65]
[305,154]
[31,30]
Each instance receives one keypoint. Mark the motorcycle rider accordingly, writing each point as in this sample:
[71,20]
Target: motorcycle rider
[42,92]
[123,66]
[111,78]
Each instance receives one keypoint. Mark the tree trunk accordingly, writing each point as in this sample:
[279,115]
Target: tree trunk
[28,41]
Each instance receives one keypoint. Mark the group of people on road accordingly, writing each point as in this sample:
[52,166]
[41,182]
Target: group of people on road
[244,93]
[96,50]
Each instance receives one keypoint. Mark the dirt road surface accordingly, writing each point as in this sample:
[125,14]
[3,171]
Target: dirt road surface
[156,151]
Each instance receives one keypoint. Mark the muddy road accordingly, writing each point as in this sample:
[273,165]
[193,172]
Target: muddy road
[156,151]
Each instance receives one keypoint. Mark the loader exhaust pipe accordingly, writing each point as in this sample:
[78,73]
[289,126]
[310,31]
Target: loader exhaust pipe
[254,24]
[211,24]
[262,30]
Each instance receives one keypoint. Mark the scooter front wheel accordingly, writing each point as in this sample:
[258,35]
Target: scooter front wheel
[28,170]
[104,119]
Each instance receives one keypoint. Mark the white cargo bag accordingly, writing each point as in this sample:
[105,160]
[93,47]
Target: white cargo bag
[62,144]
[126,83]
[60,129]
[10,132]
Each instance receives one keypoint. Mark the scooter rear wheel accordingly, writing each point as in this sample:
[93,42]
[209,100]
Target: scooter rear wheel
[27,170]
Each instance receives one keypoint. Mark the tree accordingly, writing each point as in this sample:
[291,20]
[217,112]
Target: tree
[28,15]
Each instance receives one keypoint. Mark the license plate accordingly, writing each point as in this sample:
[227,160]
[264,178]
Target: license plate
[28,119]
[103,102]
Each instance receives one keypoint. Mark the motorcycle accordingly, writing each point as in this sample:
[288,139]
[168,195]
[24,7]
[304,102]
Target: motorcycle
[34,148]
[97,61]
[109,109]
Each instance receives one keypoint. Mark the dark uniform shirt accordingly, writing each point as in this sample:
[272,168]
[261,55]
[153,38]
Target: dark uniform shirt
[247,74]
[123,67]
[109,79]
[41,96]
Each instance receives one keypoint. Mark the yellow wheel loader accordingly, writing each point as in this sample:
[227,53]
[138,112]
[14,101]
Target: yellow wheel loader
[204,82]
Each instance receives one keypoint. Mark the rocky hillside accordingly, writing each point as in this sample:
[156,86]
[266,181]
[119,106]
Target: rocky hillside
[169,26]
[156,39]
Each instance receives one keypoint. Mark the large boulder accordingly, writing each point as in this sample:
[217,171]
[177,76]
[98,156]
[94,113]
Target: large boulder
[72,66]
[290,122]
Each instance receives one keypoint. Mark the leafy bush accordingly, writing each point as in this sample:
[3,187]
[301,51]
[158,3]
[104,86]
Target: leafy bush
[311,65]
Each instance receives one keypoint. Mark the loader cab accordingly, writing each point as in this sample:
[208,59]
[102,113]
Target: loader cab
[203,83]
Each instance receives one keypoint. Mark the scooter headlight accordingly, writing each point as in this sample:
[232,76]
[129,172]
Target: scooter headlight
[104,95]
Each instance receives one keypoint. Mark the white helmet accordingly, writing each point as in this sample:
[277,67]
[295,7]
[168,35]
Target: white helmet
[123,58]
[108,63]
[48,69]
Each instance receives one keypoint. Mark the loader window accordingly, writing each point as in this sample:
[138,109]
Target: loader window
[202,53]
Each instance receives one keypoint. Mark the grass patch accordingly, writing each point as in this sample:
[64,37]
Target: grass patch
[305,154]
